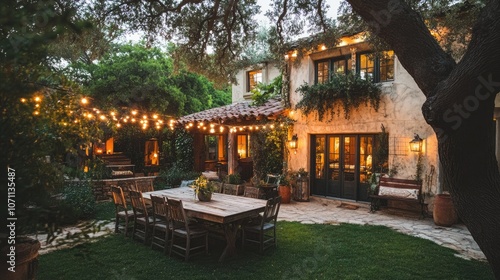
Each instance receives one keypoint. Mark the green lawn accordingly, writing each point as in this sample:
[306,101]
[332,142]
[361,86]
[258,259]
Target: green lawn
[304,252]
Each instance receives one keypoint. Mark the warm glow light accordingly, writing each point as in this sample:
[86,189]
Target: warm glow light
[221,129]
[144,117]
[133,120]
[36,113]
[113,113]
[118,125]
[38,99]
[102,117]
[23,100]
[322,47]
[155,116]
[212,130]
[134,112]
[84,101]
[294,54]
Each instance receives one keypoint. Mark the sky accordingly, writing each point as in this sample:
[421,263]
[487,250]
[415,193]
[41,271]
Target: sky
[264,4]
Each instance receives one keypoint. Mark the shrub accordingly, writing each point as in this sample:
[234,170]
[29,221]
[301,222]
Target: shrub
[77,201]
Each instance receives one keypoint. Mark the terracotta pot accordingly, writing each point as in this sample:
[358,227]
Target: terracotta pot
[444,213]
[204,197]
[286,193]
[25,259]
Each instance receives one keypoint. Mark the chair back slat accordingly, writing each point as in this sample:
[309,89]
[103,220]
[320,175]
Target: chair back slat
[230,189]
[271,210]
[118,198]
[252,192]
[138,204]
[176,213]
[159,208]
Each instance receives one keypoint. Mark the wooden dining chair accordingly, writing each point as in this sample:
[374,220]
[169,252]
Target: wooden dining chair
[230,189]
[264,233]
[142,220]
[127,186]
[161,225]
[144,186]
[122,213]
[253,192]
[192,239]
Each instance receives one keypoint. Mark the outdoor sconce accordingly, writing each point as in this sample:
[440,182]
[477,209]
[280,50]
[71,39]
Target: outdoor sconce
[293,143]
[416,144]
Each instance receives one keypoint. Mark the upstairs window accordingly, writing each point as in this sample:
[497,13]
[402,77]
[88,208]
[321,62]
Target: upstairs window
[253,77]
[378,68]
[368,66]
[332,66]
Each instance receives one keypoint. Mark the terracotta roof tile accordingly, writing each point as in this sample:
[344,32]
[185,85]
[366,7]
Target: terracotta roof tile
[234,113]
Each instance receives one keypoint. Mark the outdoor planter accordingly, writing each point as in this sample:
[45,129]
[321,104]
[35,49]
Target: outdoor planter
[301,189]
[205,197]
[444,212]
[25,259]
[285,191]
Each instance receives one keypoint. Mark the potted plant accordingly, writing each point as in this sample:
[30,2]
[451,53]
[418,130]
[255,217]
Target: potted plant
[285,188]
[203,188]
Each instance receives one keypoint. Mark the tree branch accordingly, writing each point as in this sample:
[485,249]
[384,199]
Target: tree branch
[404,30]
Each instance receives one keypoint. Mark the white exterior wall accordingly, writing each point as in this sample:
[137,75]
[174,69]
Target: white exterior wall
[239,90]
[400,113]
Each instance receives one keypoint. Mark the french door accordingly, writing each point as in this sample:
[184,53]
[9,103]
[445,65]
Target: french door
[342,165]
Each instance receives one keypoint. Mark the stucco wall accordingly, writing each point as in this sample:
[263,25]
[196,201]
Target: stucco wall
[400,113]
[239,90]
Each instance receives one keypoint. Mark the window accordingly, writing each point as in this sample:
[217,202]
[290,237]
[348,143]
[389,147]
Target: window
[368,66]
[254,77]
[377,68]
[322,70]
[243,144]
[387,66]
[215,147]
[337,65]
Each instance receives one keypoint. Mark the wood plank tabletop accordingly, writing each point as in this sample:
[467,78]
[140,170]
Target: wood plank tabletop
[222,208]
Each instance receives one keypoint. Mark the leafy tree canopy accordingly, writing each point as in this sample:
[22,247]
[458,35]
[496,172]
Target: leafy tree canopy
[135,76]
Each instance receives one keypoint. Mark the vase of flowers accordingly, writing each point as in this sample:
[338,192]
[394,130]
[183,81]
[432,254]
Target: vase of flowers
[203,188]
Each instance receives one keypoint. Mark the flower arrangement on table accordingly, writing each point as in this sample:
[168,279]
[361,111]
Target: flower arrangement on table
[203,188]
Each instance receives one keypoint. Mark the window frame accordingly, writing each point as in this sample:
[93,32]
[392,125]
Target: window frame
[377,66]
[250,75]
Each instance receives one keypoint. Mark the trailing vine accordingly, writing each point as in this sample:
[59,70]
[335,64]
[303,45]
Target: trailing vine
[262,92]
[349,91]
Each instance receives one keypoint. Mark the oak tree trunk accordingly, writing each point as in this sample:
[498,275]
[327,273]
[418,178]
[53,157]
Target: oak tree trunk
[459,107]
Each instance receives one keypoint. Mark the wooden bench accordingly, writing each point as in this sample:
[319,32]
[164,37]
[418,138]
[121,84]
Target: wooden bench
[409,191]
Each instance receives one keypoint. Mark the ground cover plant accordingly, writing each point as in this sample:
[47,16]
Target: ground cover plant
[310,251]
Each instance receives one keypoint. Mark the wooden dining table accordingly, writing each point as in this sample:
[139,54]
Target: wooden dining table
[226,210]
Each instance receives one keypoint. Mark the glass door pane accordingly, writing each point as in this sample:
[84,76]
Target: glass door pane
[348,168]
[334,165]
[318,176]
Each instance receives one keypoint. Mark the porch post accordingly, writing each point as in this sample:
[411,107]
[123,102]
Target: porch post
[232,161]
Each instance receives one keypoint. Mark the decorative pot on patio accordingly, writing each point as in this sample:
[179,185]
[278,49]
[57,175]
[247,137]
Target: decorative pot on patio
[204,196]
[444,213]
[301,189]
[24,258]
[285,191]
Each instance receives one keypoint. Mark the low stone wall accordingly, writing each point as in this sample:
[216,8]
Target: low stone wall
[102,188]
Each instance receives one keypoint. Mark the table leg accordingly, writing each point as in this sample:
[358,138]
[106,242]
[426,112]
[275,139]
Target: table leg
[230,232]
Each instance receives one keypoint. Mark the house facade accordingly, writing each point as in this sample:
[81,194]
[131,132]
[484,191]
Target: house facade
[338,153]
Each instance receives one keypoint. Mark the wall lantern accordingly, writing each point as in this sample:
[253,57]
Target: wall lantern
[416,144]
[293,143]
